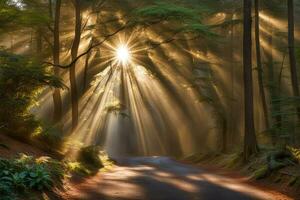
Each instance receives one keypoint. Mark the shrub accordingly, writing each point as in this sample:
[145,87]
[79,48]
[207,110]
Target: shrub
[91,156]
[25,173]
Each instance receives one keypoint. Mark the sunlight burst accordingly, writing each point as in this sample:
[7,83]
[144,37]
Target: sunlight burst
[123,54]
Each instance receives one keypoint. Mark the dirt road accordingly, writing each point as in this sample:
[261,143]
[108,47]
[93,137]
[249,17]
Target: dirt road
[161,178]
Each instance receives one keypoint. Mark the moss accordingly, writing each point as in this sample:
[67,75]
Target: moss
[279,159]
[293,181]
[234,160]
[261,172]
[194,158]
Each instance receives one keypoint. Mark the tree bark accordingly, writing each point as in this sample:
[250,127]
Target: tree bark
[250,143]
[56,53]
[260,68]
[232,116]
[72,72]
[292,56]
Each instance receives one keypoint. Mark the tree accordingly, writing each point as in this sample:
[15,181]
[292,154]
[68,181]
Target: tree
[250,143]
[292,56]
[259,66]
[72,70]
[21,79]
[56,60]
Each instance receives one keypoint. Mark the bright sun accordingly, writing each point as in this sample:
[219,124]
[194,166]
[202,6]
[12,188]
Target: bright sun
[123,54]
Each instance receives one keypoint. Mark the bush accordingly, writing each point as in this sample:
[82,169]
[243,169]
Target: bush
[48,137]
[25,173]
[91,156]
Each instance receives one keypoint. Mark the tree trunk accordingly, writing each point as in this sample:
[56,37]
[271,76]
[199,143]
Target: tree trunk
[259,67]
[74,53]
[224,135]
[250,143]
[232,116]
[273,89]
[292,56]
[56,61]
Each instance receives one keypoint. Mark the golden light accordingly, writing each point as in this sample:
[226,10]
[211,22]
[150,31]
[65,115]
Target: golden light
[123,54]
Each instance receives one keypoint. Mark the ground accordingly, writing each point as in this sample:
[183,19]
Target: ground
[151,178]
[10,147]
[148,178]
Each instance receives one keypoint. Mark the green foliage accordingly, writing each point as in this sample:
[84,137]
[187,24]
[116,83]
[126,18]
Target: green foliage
[8,14]
[49,136]
[183,19]
[166,11]
[261,172]
[21,80]
[27,14]
[295,153]
[270,162]
[279,159]
[25,173]
[33,18]
[91,156]
[78,168]
[287,112]
[199,29]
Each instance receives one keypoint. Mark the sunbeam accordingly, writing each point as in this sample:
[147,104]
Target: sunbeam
[123,54]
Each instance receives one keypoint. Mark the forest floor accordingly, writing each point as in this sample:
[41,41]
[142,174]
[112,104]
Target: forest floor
[10,147]
[162,178]
[151,178]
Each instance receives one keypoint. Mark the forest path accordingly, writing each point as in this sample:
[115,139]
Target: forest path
[151,178]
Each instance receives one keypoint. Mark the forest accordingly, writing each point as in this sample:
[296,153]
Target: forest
[149,100]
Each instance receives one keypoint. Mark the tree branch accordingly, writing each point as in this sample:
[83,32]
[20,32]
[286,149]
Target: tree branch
[88,50]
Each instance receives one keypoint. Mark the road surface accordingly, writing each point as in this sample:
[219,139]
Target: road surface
[161,178]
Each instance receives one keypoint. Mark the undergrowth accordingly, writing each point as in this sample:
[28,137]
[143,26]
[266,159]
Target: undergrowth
[268,163]
[26,174]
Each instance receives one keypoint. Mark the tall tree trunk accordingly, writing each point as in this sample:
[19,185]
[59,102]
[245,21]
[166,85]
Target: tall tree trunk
[232,77]
[259,67]
[250,143]
[56,53]
[292,56]
[273,89]
[74,53]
